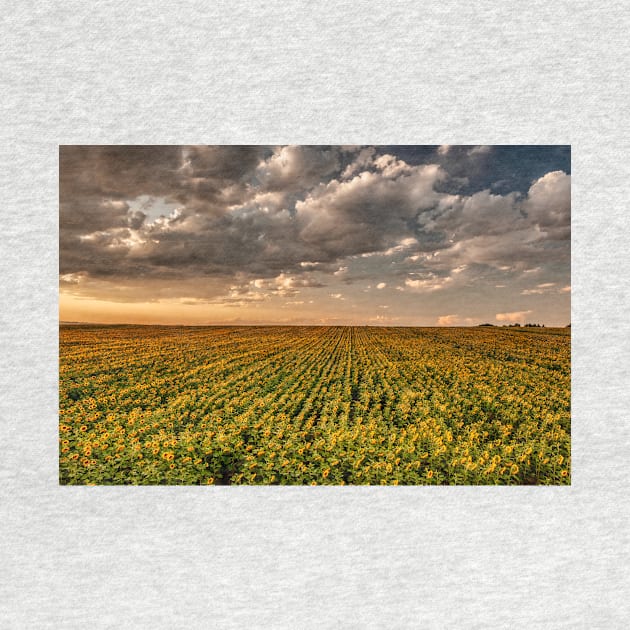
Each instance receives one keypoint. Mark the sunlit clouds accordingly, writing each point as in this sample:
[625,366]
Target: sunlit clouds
[434,235]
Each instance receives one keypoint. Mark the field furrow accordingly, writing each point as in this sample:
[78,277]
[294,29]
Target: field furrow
[313,405]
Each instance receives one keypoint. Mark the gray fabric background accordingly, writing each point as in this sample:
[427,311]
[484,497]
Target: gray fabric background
[313,72]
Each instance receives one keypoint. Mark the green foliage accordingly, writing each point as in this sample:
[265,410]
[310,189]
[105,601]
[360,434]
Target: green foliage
[311,405]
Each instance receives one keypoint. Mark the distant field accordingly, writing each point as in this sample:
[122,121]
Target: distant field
[314,405]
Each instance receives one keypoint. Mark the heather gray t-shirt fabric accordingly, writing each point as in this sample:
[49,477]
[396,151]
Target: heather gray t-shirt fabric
[303,72]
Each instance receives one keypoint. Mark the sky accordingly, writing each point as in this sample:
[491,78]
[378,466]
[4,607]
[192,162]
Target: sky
[327,235]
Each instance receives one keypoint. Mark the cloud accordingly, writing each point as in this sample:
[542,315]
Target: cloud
[362,161]
[545,287]
[71,278]
[548,205]
[454,320]
[284,284]
[428,283]
[297,168]
[504,230]
[513,317]
[392,167]
[293,218]
[371,212]
[403,245]
[383,319]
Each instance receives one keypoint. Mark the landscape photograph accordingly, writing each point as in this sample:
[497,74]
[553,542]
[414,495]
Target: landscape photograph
[315,315]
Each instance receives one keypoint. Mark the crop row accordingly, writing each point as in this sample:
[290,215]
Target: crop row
[314,405]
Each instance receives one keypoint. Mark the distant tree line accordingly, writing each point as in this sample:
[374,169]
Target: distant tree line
[517,325]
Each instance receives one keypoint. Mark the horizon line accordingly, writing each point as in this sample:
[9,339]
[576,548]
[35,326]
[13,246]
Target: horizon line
[483,325]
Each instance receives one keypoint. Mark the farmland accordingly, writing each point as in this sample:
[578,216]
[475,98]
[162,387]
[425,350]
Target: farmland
[314,405]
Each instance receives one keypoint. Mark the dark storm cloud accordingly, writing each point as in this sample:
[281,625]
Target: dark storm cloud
[370,212]
[117,172]
[503,169]
[199,176]
[286,217]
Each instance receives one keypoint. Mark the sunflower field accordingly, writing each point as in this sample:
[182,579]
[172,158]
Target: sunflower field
[167,405]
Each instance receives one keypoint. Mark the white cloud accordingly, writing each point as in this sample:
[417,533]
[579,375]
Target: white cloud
[432,283]
[297,167]
[454,320]
[73,278]
[269,201]
[283,284]
[124,238]
[513,317]
[381,319]
[548,204]
[542,288]
[391,166]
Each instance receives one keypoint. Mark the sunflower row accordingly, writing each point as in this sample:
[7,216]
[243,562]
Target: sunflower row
[314,405]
